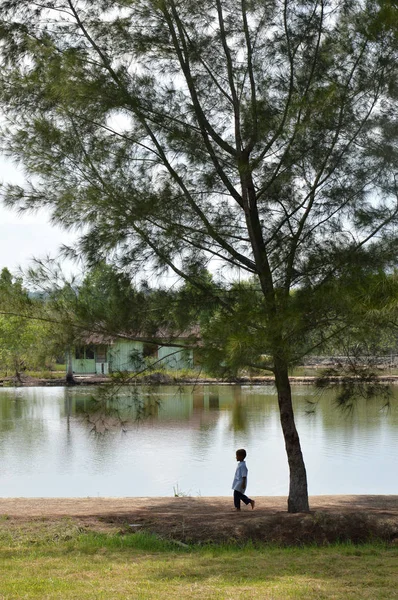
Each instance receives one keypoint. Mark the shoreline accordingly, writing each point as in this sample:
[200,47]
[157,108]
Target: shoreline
[11,382]
[371,503]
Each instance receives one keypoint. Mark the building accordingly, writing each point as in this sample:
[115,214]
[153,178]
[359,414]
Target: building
[100,354]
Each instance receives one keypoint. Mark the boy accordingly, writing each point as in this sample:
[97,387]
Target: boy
[240,481]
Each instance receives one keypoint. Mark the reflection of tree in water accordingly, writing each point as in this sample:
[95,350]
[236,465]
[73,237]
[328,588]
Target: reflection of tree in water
[214,401]
[110,409]
[11,409]
[198,399]
[119,407]
[239,417]
[354,380]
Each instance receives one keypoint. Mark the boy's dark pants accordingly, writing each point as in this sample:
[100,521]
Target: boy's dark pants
[238,496]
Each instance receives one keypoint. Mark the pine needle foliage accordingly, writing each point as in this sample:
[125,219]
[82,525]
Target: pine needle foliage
[259,136]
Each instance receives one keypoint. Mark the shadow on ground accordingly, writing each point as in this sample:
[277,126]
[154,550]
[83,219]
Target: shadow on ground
[202,520]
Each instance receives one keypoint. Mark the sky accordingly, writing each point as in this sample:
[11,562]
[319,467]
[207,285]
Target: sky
[29,236]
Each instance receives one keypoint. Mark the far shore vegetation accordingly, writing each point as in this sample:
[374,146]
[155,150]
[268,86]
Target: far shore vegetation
[42,317]
[56,372]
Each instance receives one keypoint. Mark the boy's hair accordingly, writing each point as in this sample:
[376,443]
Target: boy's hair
[241,452]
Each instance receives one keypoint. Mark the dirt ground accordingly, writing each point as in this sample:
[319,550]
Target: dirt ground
[213,519]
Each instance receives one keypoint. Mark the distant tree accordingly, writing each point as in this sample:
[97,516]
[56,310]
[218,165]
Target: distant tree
[368,307]
[6,280]
[106,298]
[101,300]
[257,135]
[23,340]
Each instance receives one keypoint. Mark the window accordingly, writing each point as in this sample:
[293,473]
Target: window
[79,352]
[90,352]
[150,350]
[85,352]
[101,354]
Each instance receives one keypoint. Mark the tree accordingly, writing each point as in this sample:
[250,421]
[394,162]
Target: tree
[107,302]
[100,302]
[24,342]
[255,135]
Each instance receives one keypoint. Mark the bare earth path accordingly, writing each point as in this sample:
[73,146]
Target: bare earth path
[213,519]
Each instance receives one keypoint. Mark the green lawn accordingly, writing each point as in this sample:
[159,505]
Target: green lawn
[61,562]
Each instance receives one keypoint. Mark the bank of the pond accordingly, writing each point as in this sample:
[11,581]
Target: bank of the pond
[190,520]
[161,379]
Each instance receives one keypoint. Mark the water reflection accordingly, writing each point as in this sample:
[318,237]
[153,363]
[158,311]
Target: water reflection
[162,437]
[214,401]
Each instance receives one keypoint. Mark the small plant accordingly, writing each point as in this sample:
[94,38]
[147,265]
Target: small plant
[179,493]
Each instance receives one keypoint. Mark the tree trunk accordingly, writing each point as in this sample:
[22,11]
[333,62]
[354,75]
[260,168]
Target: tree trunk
[298,490]
[70,380]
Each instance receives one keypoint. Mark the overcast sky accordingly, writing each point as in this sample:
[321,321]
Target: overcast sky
[28,236]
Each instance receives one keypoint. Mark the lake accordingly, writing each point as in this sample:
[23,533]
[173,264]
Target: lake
[57,442]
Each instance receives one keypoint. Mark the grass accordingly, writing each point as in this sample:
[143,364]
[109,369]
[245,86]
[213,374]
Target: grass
[60,561]
[57,372]
[310,371]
